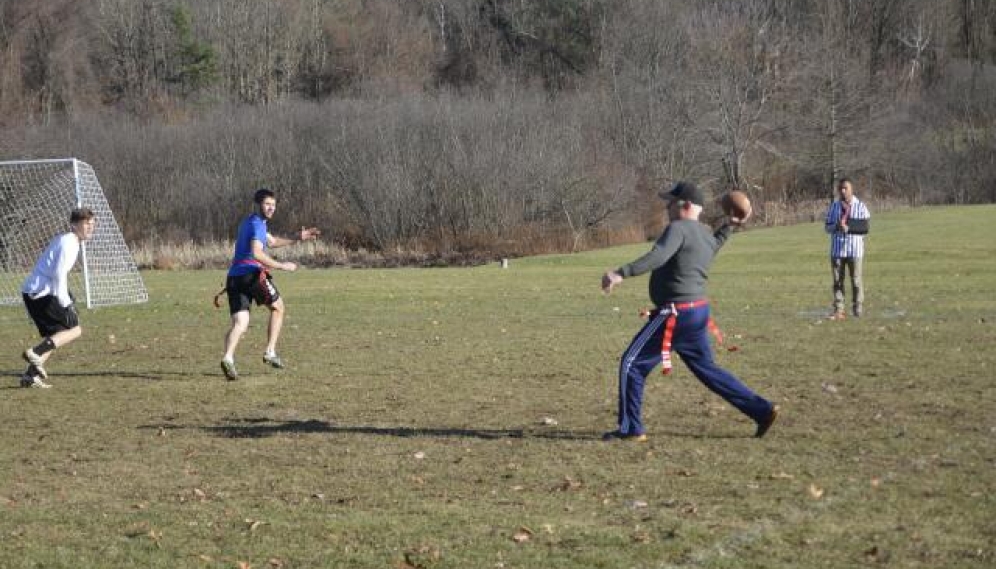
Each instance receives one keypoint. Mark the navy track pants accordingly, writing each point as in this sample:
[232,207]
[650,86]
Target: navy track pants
[690,340]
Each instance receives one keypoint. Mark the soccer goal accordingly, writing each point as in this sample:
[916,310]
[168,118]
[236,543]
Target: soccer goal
[36,197]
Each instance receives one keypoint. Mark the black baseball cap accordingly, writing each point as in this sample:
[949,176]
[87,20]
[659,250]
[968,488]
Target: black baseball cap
[684,191]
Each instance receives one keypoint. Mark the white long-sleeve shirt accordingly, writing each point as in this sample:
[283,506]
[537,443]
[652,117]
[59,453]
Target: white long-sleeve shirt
[51,273]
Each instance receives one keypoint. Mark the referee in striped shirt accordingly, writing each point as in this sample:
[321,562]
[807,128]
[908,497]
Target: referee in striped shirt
[847,224]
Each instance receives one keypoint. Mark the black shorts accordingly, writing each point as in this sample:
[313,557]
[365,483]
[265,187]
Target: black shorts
[255,286]
[49,316]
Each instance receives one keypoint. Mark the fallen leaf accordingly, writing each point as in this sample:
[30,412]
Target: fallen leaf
[549,421]
[421,556]
[829,387]
[137,530]
[815,491]
[524,534]
[876,554]
[244,565]
[782,476]
[274,562]
[419,455]
[569,484]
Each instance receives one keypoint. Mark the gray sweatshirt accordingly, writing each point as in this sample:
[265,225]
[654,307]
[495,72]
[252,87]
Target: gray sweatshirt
[680,261]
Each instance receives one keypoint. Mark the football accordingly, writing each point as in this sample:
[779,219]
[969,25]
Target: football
[736,204]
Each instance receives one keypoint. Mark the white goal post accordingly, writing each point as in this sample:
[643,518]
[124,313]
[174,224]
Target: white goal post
[36,197]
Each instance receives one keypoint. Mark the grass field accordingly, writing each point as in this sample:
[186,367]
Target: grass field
[451,418]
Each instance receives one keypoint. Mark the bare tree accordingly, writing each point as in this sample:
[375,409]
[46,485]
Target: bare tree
[917,38]
[738,55]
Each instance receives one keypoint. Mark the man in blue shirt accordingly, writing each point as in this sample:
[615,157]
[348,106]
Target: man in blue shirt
[847,224]
[249,279]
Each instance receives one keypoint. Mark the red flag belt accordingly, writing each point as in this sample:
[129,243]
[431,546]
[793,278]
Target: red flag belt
[673,309]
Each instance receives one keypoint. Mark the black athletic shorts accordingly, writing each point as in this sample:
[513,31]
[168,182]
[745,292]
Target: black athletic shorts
[49,316]
[244,289]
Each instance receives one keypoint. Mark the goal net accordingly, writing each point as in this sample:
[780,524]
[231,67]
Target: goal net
[36,197]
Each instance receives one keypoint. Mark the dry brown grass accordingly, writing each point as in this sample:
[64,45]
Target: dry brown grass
[464,251]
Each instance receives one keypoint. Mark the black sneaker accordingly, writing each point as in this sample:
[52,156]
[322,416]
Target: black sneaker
[763,426]
[617,436]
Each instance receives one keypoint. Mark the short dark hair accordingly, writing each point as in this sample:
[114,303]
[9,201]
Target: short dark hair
[261,194]
[844,180]
[81,214]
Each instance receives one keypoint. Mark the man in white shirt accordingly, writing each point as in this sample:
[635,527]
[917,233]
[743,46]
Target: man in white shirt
[47,298]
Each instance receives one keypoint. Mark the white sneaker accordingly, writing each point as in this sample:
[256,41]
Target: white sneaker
[34,359]
[229,370]
[274,360]
[33,381]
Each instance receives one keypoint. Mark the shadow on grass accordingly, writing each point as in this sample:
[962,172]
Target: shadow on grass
[699,435]
[260,428]
[148,376]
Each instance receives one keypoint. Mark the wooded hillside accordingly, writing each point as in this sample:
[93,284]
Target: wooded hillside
[470,123]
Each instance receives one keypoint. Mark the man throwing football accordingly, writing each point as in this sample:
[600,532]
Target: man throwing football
[679,264]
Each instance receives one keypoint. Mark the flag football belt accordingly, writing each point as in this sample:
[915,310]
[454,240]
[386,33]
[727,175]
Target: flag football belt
[261,280]
[673,309]
[247,262]
[263,273]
